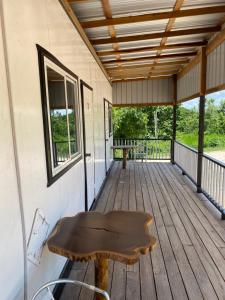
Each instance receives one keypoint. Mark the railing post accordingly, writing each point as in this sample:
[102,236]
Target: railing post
[174,119]
[201,118]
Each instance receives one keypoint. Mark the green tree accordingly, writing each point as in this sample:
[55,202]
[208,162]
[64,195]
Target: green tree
[130,123]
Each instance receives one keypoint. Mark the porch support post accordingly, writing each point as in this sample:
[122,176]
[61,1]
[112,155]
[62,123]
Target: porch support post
[174,119]
[203,62]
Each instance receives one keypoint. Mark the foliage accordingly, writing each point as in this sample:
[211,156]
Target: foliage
[130,122]
[139,122]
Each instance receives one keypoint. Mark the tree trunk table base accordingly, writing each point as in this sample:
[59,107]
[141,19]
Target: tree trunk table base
[125,149]
[101,275]
[125,154]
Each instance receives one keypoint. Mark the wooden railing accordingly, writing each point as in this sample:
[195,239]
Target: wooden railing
[61,151]
[187,159]
[144,149]
[213,174]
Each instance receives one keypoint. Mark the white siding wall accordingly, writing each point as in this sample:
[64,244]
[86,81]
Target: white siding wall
[143,92]
[44,22]
[189,84]
[11,243]
[216,67]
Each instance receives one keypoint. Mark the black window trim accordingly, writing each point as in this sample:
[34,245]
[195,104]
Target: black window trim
[109,106]
[42,53]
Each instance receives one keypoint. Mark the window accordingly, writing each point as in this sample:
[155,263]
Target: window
[61,112]
[110,120]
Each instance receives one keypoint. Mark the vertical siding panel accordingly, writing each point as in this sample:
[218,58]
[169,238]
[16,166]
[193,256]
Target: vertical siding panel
[145,91]
[171,90]
[222,53]
[140,91]
[124,92]
[210,70]
[133,91]
[114,98]
[158,95]
[150,97]
[155,91]
[218,63]
[128,97]
[189,84]
[207,71]
[118,92]
[214,68]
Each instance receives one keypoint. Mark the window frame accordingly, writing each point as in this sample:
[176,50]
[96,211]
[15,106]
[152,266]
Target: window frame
[46,59]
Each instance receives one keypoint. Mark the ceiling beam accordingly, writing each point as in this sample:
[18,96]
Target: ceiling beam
[188,54]
[144,69]
[141,75]
[140,78]
[152,48]
[111,29]
[169,27]
[170,63]
[157,35]
[155,16]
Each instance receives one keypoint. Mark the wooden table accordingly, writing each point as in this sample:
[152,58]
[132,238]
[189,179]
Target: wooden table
[117,235]
[125,149]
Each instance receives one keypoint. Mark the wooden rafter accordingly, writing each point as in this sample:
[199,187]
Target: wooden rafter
[144,69]
[162,74]
[157,35]
[152,48]
[140,78]
[169,27]
[169,63]
[155,16]
[152,65]
[112,32]
[188,54]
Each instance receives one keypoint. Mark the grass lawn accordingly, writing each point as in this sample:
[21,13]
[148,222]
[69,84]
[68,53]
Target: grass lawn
[212,142]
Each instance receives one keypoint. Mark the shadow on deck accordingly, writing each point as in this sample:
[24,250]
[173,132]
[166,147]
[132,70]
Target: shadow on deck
[189,260]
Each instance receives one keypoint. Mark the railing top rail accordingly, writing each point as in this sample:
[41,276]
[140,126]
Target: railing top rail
[220,163]
[143,139]
[61,142]
[187,147]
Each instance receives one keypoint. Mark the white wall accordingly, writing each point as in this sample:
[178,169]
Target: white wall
[189,84]
[44,22]
[11,243]
[143,92]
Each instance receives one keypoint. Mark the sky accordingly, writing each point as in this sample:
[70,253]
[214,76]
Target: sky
[217,96]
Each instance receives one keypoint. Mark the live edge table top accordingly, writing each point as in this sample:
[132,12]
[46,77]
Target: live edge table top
[118,235]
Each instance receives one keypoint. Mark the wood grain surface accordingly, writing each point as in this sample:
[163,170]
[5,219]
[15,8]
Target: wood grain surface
[118,235]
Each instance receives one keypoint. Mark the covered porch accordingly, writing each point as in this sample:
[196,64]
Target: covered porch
[189,260]
[65,64]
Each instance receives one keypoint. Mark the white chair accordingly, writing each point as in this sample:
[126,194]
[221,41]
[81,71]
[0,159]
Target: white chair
[141,152]
[74,282]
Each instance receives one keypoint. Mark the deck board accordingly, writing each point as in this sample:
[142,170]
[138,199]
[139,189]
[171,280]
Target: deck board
[189,260]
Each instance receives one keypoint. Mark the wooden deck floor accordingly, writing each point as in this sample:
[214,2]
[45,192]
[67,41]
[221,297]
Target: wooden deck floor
[189,260]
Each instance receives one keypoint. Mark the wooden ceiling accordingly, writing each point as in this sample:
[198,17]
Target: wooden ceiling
[147,39]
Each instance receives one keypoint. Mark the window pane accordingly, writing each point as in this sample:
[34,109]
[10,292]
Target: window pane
[110,119]
[71,98]
[57,107]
